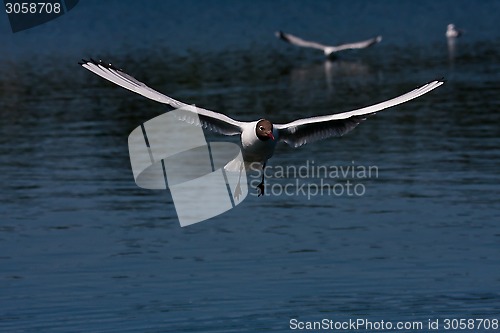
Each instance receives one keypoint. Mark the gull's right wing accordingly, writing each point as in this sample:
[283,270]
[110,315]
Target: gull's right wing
[299,41]
[210,120]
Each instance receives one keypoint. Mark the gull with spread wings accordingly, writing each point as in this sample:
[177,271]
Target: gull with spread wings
[329,51]
[259,137]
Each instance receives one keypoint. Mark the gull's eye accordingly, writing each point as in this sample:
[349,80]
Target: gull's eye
[261,128]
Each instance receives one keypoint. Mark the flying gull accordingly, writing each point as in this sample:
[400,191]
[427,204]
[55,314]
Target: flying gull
[328,50]
[259,137]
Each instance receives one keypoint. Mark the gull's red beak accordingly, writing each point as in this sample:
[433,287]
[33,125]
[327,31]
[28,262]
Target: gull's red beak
[270,134]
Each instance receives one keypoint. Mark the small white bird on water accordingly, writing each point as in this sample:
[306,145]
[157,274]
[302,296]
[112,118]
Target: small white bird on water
[328,50]
[259,137]
[453,32]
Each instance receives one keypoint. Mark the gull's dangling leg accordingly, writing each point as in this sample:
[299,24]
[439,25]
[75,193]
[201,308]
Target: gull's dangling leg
[261,185]
[237,190]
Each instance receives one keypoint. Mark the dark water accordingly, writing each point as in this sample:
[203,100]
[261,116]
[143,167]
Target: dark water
[83,249]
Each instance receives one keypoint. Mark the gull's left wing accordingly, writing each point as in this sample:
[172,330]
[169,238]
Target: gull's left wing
[302,131]
[357,45]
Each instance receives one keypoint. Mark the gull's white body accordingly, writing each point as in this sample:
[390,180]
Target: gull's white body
[295,133]
[452,31]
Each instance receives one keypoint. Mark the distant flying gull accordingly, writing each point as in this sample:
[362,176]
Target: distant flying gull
[453,32]
[259,137]
[328,50]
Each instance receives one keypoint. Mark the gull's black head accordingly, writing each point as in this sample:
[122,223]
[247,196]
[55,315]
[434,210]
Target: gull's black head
[264,130]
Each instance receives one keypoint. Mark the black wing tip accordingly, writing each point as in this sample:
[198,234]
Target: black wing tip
[87,61]
[281,35]
[442,80]
[99,63]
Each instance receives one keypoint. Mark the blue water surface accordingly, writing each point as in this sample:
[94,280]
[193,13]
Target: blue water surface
[83,249]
